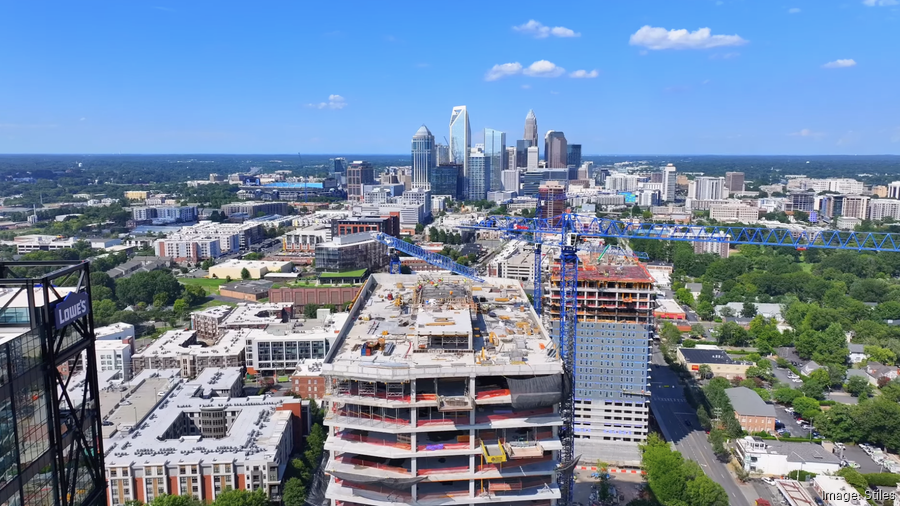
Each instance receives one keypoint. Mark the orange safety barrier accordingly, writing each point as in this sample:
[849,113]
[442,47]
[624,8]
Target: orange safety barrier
[512,464]
[426,397]
[360,462]
[449,446]
[370,416]
[374,441]
[489,394]
[442,470]
[449,419]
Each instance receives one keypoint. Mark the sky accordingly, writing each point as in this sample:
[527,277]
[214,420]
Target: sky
[618,77]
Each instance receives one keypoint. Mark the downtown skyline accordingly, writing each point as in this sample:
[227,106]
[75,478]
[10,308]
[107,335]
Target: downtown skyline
[719,77]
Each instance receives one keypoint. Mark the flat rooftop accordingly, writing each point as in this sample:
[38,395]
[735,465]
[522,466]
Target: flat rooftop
[705,356]
[413,325]
[610,272]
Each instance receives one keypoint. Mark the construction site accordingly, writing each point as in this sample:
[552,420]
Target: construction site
[442,390]
[616,299]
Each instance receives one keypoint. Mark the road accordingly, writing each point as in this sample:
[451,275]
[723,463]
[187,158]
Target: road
[671,410]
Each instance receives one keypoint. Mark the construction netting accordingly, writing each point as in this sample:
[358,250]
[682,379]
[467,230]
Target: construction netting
[395,483]
[535,392]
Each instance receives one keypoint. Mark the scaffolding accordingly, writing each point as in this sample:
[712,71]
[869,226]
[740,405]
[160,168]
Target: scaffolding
[367,388]
[394,390]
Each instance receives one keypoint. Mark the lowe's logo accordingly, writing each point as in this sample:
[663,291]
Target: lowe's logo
[73,307]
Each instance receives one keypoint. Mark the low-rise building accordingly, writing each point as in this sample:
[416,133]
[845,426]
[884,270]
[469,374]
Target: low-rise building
[351,252]
[197,438]
[668,309]
[120,331]
[857,353]
[256,268]
[250,291]
[307,381]
[114,356]
[180,349]
[253,209]
[878,370]
[778,458]
[281,347]
[794,493]
[718,361]
[729,212]
[751,411]
[835,491]
[320,296]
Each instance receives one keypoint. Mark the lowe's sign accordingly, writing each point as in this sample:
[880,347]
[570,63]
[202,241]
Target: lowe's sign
[73,307]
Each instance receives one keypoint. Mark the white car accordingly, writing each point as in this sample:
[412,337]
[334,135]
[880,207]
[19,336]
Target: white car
[768,481]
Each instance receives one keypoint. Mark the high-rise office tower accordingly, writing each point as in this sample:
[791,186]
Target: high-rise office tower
[531,131]
[511,180]
[441,154]
[51,438]
[446,179]
[495,149]
[734,181]
[533,157]
[707,188]
[359,173]
[338,165]
[669,177]
[510,157]
[573,155]
[460,139]
[479,180]
[522,154]
[555,150]
[422,157]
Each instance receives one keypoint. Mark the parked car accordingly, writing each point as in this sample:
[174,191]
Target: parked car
[768,481]
[852,465]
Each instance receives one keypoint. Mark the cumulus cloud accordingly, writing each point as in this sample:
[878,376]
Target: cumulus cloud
[880,3]
[584,74]
[794,10]
[544,68]
[334,102]
[503,70]
[538,30]
[805,132]
[659,38]
[839,64]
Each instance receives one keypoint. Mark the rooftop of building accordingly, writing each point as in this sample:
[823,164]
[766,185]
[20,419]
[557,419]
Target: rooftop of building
[748,403]
[257,314]
[113,328]
[706,355]
[613,272]
[347,240]
[668,306]
[252,287]
[174,343]
[422,326]
[255,264]
[100,345]
[254,433]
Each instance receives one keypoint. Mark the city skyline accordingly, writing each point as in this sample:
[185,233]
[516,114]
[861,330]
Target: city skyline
[720,77]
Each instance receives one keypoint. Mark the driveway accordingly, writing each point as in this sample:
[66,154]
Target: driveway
[782,375]
[866,464]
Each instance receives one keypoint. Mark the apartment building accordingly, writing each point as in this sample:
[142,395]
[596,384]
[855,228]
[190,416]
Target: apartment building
[282,346]
[718,244]
[114,356]
[437,399]
[180,349]
[734,213]
[612,382]
[751,411]
[253,209]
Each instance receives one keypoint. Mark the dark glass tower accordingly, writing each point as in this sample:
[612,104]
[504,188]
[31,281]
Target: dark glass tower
[51,450]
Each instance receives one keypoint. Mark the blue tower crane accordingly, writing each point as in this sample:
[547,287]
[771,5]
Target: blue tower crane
[413,250]
[571,227]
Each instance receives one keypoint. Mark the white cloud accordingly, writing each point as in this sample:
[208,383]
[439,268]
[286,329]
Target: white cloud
[880,3]
[539,31]
[526,86]
[805,132]
[334,102]
[839,64]
[724,56]
[794,10]
[584,74]
[503,70]
[544,68]
[659,38]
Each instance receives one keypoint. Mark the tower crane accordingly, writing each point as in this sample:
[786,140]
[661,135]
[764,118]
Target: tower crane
[571,227]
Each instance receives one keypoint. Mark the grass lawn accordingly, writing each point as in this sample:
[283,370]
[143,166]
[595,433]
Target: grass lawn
[210,285]
[215,302]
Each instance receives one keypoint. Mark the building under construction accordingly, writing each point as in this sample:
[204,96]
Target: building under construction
[441,390]
[612,381]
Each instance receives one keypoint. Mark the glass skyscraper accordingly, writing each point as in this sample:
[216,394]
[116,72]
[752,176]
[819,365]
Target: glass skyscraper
[460,139]
[479,180]
[531,131]
[573,155]
[522,153]
[555,152]
[423,157]
[495,149]
[445,180]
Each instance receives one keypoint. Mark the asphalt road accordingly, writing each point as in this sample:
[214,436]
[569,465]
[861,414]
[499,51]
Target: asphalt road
[671,411]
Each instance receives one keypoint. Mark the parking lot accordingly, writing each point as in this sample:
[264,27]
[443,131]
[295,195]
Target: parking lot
[790,424]
[866,464]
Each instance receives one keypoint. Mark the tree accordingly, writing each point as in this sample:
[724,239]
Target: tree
[684,296]
[705,371]
[242,498]
[209,262]
[726,312]
[703,491]
[731,334]
[706,311]
[104,309]
[698,330]
[856,385]
[245,274]
[879,354]
[174,500]
[160,300]
[309,310]
[294,492]
[853,477]
[806,406]
[420,228]
[180,306]
[891,391]
[144,286]
[255,255]
[786,395]
[748,310]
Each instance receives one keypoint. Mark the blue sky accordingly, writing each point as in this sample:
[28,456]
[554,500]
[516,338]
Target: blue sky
[165,76]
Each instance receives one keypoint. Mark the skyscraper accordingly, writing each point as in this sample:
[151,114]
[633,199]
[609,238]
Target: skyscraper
[573,155]
[495,149]
[460,139]
[422,157]
[707,188]
[531,131]
[441,154]
[359,173]
[479,179]
[522,154]
[445,179]
[734,181]
[533,158]
[669,177]
[555,150]
[338,165]
[510,157]
[511,180]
